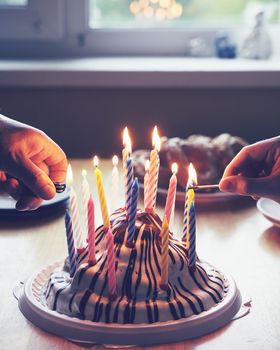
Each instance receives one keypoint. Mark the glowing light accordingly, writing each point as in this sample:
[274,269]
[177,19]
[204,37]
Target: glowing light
[95,161]
[127,140]
[192,175]
[115,160]
[84,173]
[135,7]
[148,12]
[69,176]
[156,139]
[174,168]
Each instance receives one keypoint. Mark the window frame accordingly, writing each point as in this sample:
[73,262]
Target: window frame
[39,20]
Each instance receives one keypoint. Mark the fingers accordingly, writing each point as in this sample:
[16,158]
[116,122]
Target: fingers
[28,202]
[255,187]
[35,179]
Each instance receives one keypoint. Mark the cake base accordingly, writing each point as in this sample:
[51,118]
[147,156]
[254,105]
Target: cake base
[31,304]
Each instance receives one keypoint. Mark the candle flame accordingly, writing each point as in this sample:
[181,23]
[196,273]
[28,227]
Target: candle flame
[147,165]
[192,175]
[115,160]
[84,173]
[156,139]
[95,161]
[174,168]
[69,176]
[127,140]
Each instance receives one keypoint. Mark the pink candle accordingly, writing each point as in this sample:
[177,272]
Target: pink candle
[91,232]
[171,195]
[112,280]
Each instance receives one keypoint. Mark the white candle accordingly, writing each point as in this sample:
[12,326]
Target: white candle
[73,206]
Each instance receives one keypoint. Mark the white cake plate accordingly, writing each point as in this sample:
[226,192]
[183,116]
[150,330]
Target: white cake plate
[31,304]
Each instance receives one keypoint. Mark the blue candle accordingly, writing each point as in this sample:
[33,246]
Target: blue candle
[129,182]
[132,209]
[70,243]
[192,238]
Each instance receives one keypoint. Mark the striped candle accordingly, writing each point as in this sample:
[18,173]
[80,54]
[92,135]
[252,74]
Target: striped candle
[153,173]
[111,265]
[171,194]
[101,194]
[132,209]
[164,235]
[188,200]
[115,184]
[91,232]
[129,182]
[146,181]
[70,243]
[192,239]
[85,188]
[74,211]
[126,153]
[76,220]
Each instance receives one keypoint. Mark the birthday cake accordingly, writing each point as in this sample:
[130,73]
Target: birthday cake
[140,297]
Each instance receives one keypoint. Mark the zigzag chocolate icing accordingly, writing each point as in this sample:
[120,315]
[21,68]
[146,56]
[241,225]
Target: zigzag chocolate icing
[140,299]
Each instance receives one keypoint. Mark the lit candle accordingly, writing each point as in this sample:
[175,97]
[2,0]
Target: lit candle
[171,194]
[146,181]
[126,153]
[115,184]
[129,182]
[164,235]
[111,265]
[192,178]
[132,209]
[86,195]
[74,211]
[91,232]
[70,243]
[101,194]
[153,173]
[192,238]
[85,187]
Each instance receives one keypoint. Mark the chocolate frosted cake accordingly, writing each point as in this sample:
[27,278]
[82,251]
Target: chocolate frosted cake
[140,298]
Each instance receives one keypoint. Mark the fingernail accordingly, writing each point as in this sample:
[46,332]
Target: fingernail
[227,185]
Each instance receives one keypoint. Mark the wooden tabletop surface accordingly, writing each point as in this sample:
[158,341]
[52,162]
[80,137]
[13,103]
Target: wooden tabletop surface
[233,236]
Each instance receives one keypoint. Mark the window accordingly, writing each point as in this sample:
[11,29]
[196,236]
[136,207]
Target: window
[31,19]
[121,27]
[13,2]
[177,13]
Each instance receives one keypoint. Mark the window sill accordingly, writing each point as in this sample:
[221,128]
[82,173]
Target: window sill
[140,73]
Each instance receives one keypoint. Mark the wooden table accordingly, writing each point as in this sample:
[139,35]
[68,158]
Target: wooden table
[235,237]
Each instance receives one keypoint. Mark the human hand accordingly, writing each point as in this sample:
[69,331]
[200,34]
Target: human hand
[255,171]
[29,163]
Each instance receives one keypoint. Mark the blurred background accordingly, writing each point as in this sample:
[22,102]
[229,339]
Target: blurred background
[83,69]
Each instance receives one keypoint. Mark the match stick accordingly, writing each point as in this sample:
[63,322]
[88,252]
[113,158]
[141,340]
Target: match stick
[203,187]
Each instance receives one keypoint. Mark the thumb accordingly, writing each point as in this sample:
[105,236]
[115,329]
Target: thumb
[258,187]
[34,178]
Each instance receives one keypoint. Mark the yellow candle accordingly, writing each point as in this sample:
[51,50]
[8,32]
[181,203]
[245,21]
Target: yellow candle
[153,173]
[101,194]
[164,234]
[146,181]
